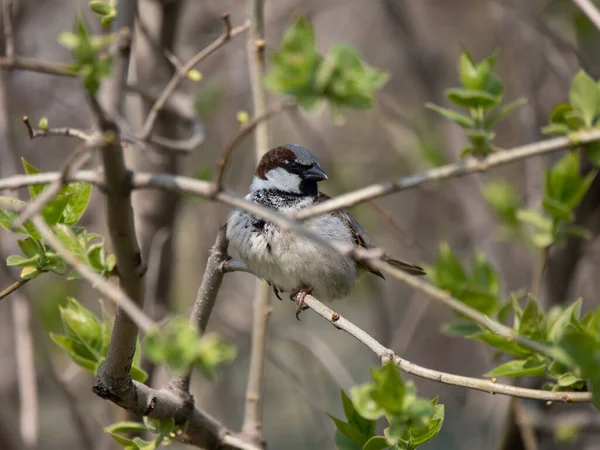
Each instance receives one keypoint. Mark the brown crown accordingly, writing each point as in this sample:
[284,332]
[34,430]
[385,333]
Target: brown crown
[272,159]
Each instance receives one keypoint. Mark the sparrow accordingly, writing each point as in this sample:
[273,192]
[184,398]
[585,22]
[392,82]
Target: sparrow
[286,180]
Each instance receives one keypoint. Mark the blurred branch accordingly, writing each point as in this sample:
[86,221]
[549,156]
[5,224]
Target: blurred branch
[70,132]
[26,374]
[31,65]
[244,132]
[181,74]
[206,298]
[255,50]
[590,10]
[454,170]
[9,41]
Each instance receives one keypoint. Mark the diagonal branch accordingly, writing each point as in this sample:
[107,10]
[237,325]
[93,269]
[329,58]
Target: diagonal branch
[64,131]
[449,171]
[590,10]
[180,74]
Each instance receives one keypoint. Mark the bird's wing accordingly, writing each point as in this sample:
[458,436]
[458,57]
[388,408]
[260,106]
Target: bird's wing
[361,239]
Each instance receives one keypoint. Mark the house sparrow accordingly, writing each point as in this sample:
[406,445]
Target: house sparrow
[286,179]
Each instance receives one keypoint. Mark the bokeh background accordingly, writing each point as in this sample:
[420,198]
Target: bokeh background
[541,43]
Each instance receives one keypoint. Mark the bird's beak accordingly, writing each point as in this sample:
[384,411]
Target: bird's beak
[315,173]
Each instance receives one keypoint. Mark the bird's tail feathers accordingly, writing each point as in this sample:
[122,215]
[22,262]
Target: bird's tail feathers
[409,268]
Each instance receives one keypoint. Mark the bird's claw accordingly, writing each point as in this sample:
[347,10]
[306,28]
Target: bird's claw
[299,299]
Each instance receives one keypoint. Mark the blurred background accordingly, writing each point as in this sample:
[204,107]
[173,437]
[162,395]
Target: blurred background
[542,44]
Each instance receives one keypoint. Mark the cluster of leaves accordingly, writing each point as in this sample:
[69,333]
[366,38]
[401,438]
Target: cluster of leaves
[412,420]
[564,188]
[179,346]
[105,10]
[574,343]
[166,430]
[480,94]
[581,113]
[87,337]
[91,59]
[62,212]
[341,77]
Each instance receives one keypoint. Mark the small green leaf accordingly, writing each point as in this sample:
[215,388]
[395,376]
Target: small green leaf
[568,379]
[349,430]
[504,111]
[364,403]
[389,388]
[556,129]
[376,443]
[101,8]
[420,436]
[501,343]
[43,125]
[20,261]
[518,368]
[460,329]
[471,98]
[138,374]
[366,426]
[584,96]
[126,427]
[454,116]
[533,321]
[30,247]
[29,272]
[344,443]
[558,326]
[34,189]
[79,195]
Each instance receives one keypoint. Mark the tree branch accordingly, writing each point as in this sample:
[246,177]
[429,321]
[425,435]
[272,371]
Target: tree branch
[590,10]
[206,298]
[385,354]
[64,131]
[243,133]
[9,39]
[12,288]
[446,172]
[255,50]
[182,73]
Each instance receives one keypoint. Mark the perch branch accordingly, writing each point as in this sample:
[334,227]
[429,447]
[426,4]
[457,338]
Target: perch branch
[64,131]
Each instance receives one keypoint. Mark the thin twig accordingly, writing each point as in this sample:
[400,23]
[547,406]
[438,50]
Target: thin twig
[255,50]
[590,10]
[206,298]
[245,131]
[12,288]
[9,40]
[455,170]
[181,74]
[24,353]
[385,354]
[64,131]
[74,162]
[32,65]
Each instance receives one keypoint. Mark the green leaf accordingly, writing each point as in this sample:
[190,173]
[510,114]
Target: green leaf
[101,8]
[389,390]
[584,351]
[420,436]
[126,427]
[30,247]
[69,239]
[366,426]
[558,326]
[364,403]
[556,129]
[8,214]
[592,151]
[348,430]
[82,325]
[78,353]
[471,98]
[501,343]
[535,218]
[454,116]
[43,124]
[559,113]
[568,379]
[79,195]
[584,96]
[533,322]
[138,374]
[34,189]
[20,261]
[460,329]
[376,443]
[53,210]
[518,368]
[504,111]
[29,272]
[344,443]
[557,209]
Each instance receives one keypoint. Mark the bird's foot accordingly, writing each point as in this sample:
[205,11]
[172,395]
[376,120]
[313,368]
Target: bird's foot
[299,297]
[275,290]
